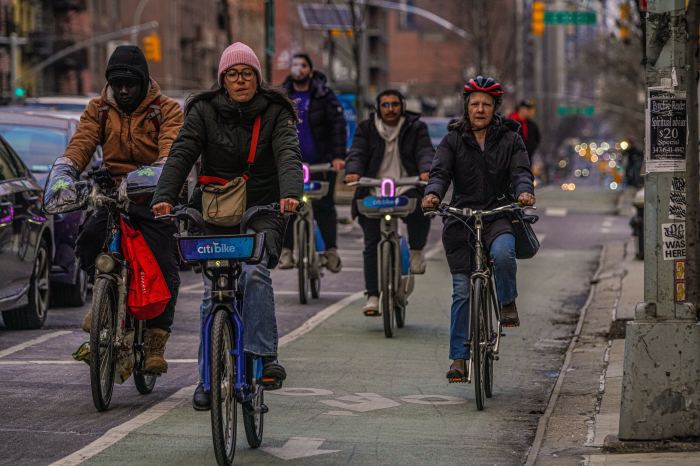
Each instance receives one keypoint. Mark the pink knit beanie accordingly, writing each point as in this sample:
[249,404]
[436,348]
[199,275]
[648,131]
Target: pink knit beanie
[238,54]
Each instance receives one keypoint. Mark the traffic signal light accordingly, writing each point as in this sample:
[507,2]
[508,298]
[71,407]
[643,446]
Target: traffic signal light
[624,23]
[538,19]
[151,47]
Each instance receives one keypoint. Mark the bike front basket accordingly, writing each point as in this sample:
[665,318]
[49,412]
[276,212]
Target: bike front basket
[378,206]
[244,248]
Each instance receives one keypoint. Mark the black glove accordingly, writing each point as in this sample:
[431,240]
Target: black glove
[60,194]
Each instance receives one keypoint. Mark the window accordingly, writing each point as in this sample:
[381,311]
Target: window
[8,170]
[37,147]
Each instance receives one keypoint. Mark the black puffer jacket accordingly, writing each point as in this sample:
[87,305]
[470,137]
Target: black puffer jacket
[220,131]
[326,118]
[367,151]
[479,178]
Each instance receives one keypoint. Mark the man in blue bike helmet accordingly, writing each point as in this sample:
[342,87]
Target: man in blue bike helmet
[486,161]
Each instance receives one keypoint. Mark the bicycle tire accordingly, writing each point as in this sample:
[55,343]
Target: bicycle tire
[316,287]
[253,415]
[491,301]
[103,358]
[303,263]
[386,292]
[478,355]
[223,400]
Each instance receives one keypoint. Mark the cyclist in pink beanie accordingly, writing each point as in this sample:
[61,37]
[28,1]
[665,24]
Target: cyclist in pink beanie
[238,54]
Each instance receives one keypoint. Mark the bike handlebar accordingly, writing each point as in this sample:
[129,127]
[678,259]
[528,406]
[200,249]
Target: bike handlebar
[366,182]
[319,168]
[466,213]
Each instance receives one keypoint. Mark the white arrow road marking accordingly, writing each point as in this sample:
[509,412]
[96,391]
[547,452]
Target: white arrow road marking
[362,402]
[32,342]
[299,447]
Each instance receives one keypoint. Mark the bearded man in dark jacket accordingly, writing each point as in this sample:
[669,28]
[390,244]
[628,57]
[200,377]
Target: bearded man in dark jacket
[322,137]
[485,159]
[392,143]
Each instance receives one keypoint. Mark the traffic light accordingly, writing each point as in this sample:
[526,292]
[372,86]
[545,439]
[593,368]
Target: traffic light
[537,19]
[624,23]
[151,47]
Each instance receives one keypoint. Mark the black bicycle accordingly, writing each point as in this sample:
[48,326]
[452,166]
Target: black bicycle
[485,331]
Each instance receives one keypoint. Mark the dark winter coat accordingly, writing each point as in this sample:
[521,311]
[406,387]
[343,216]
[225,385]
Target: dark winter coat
[479,178]
[220,131]
[367,151]
[326,118]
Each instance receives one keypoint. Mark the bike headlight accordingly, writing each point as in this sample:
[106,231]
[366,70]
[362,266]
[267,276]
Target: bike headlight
[105,263]
[305,199]
[223,282]
[387,217]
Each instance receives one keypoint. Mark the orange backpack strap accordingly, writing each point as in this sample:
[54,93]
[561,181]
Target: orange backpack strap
[155,114]
[102,113]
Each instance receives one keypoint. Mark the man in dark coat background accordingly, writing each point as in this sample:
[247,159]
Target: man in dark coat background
[391,143]
[322,137]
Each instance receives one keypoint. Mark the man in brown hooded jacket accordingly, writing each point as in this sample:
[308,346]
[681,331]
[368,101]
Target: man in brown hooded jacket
[136,125]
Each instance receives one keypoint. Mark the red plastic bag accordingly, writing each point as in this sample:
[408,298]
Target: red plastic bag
[148,293]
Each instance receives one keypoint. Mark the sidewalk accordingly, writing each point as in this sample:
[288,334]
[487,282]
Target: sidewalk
[580,425]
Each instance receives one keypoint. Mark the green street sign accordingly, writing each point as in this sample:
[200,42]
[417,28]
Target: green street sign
[564,110]
[563,17]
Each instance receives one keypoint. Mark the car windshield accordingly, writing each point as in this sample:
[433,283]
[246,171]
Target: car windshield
[37,146]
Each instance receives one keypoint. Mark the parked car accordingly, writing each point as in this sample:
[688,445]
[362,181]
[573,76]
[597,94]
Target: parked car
[437,128]
[60,103]
[26,245]
[39,138]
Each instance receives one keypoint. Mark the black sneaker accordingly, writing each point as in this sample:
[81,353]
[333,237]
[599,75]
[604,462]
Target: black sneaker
[201,401]
[273,375]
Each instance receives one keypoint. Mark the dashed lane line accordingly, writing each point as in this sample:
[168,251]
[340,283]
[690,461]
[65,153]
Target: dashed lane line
[32,342]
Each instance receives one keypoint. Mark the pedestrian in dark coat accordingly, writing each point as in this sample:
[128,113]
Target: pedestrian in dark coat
[218,127]
[528,130]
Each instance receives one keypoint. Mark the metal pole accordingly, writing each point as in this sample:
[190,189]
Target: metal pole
[14,49]
[519,39]
[692,227]
[661,368]
[138,11]
[269,37]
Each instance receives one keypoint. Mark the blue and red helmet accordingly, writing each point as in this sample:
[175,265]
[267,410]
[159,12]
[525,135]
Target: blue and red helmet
[486,85]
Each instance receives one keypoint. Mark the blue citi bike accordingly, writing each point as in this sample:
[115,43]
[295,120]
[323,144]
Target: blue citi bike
[308,242]
[231,375]
[395,280]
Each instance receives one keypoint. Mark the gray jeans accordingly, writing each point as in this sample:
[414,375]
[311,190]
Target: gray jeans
[260,336]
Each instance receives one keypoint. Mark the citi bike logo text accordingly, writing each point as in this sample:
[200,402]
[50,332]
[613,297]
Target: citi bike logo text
[215,248]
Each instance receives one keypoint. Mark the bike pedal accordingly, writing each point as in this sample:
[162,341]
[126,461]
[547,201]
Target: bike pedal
[263,408]
[503,334]
[495,358]
[457,380]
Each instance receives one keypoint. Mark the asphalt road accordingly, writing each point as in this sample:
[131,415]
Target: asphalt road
[375,401]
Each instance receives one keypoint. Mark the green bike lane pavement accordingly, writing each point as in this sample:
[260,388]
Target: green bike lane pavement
[355,397]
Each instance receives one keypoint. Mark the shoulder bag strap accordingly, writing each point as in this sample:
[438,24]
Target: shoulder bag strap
[253,147]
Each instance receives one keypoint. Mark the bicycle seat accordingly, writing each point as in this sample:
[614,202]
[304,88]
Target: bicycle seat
[247,248]
[378,206]
[315,189]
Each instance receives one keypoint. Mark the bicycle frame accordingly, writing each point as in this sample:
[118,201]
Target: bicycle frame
[229,300]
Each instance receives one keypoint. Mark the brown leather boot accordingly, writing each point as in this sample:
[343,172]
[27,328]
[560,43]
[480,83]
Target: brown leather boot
[154,340]
[509,315]
[87,321]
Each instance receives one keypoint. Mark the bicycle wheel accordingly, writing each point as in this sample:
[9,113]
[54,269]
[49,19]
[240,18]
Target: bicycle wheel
[303,263]
[223,397]
[386,291]
[254,410]
[491,315]
[103,332]
[478,349]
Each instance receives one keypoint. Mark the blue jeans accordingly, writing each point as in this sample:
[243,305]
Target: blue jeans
[503,254]
[260,336]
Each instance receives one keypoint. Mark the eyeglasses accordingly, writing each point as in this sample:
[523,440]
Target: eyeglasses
[233,75]
[388,105]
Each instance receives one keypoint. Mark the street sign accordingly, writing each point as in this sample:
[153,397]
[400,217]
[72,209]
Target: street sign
[564,110]
[562,17]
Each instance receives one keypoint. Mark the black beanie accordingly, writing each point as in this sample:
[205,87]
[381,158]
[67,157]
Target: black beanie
[128,61]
